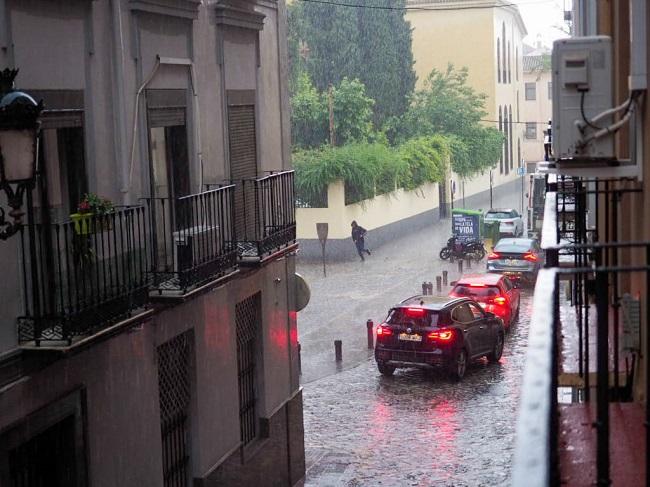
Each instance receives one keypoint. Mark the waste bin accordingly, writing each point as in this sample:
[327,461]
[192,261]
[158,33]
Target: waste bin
[490,234]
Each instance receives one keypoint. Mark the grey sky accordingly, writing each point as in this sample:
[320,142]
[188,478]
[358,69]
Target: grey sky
[544,19]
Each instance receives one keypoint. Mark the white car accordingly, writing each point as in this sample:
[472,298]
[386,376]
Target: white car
[510,222]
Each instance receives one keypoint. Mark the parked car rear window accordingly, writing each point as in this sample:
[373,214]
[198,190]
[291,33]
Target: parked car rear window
[513,248]
[498,214]
[463,290]
[399,316]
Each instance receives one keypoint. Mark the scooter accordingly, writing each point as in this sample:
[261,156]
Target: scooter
[457,249]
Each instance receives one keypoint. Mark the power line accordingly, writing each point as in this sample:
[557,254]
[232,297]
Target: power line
[423,8]
[522,123]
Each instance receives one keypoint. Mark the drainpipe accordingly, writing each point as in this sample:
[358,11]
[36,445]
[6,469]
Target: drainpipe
[119,120]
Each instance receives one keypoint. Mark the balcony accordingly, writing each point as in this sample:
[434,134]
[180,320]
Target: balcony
[82,275]
[265,216]
[192,239]
[580,417]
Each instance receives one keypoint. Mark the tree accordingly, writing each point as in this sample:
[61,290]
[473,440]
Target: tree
[310,113]
[371,45]
[447,105]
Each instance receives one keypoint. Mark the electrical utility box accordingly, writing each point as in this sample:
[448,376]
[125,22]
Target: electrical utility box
[582,88]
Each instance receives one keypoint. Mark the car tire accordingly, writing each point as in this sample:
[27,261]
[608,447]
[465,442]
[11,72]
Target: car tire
[497,350]
[385,369]
[445,253]
[458,366]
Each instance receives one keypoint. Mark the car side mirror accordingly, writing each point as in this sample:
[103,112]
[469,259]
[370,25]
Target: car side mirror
[453,283]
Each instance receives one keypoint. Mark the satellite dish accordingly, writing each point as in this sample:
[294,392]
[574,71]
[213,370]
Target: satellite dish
[303,293]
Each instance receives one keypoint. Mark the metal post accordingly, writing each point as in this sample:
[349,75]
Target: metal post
[445,276]
[424,288]
[647,368]
[430,288]
[439,284]
[602,382]
[491,206]
[369,330]
[469,262]
[338,350]
[299,360]
[460,266]
[615,297]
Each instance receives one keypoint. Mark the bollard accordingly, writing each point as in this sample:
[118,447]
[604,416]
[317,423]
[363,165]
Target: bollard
[469,262]
[439,284]
[460,266]
[424,288]
[299,360]
[370,326]
[445,275]
[429,288]
[338,350]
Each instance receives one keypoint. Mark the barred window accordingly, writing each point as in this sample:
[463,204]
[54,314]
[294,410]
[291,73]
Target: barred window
[531,130]
[531,91]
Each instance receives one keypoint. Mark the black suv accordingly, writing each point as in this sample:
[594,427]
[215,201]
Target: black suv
[430,331]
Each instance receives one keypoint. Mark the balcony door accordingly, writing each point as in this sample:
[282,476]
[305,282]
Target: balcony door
[169,169]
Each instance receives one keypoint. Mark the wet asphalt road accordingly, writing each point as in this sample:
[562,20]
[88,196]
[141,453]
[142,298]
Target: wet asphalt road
[415,428]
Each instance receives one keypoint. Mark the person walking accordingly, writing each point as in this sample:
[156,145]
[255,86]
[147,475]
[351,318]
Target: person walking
[358,233]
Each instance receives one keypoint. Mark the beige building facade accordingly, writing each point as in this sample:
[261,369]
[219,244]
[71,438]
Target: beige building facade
[155,344]
[486,37]
[537,102]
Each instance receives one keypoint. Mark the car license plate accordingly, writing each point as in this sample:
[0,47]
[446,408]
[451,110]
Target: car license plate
[410,338]
[513,261]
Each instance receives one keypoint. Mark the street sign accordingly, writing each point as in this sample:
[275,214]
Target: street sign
[521,171]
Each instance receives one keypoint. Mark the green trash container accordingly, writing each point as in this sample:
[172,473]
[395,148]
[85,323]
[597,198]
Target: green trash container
[490,234]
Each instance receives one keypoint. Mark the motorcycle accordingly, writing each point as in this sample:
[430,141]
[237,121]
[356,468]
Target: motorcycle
[457,249]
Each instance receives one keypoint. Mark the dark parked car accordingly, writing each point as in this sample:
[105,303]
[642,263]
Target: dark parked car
[518,258]
[431,331]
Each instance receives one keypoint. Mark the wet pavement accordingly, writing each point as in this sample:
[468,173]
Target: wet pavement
[415,428]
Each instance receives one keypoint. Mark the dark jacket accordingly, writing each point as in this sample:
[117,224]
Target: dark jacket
[357,233]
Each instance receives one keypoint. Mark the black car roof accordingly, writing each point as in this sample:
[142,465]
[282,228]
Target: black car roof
[433,303]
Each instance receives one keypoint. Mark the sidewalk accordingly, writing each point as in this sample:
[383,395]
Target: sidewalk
[354,292]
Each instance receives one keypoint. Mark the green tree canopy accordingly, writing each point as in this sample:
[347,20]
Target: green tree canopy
[310,113]
[331,43]
[447,105]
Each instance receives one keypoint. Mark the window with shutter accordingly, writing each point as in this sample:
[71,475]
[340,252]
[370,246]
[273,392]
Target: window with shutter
[243,167]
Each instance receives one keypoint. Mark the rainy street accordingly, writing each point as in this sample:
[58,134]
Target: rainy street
[414,428]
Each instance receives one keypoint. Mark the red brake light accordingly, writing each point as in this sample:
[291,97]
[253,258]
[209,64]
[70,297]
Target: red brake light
[493,256]
[441,335]
[500,300]
[530,257]
[415,312]
[384,331]
[478,285]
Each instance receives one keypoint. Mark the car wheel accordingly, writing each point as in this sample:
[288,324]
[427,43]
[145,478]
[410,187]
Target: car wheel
[445,253]
[497,350]
[385,369]
[458,366]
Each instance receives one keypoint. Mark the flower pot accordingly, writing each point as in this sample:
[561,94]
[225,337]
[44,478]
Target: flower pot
[82,223]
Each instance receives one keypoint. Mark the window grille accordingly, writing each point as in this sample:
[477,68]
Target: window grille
[531,130]
[531,91]
[247,319]
[174,358]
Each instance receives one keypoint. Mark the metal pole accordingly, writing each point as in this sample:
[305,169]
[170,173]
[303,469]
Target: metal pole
[445,275]
[338,350]
[602,382]
[491,206]
[469,262]
[647,367]
[369,327]
[299,360]
[439,284]
[460,266]
[424,288]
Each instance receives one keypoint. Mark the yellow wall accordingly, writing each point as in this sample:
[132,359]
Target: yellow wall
[377,212]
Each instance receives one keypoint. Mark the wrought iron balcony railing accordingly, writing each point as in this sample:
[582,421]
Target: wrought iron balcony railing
[265,215]
[82,275]
[192,239]
[588,342]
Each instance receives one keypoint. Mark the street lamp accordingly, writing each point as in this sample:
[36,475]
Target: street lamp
[19,127]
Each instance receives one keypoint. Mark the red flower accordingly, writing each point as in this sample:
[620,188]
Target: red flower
[84,207]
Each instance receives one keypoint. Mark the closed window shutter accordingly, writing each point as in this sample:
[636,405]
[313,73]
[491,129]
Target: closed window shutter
[243,165]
